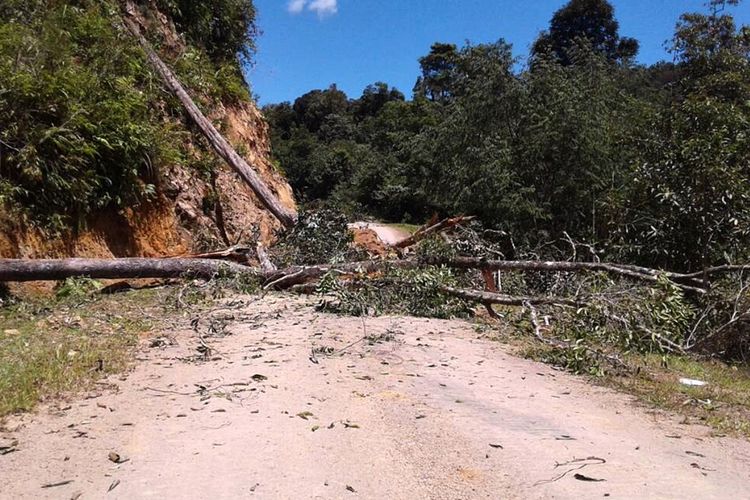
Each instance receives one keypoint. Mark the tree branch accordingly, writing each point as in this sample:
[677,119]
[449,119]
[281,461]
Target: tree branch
[508,300]
[425,232]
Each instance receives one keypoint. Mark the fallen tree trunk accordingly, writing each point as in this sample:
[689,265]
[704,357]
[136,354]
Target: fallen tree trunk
[60,269]
[55,269]
[175,267]
[507,300]
[287,217]
[566,266]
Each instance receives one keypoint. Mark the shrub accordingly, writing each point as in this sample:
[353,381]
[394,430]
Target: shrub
[87,125]
[319,237]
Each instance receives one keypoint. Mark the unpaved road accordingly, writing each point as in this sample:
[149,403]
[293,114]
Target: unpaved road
[388,234]
[434,410]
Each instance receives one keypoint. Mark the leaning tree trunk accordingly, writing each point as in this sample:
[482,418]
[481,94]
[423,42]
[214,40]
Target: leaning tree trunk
[217,141]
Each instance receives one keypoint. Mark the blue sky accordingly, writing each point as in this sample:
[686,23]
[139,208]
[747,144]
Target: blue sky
[308,44]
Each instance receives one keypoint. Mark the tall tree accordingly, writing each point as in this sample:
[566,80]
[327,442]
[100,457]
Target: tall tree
[592,21]
[438,73]
[313,108]
[374,97]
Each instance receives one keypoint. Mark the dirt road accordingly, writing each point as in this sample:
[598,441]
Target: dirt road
[425,409]
[388,234]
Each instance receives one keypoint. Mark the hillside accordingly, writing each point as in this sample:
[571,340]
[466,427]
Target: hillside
[101,160]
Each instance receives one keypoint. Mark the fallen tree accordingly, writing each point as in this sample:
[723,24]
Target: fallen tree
[59,269]
[23,270]
[686,282]
[425,280]
[205,265]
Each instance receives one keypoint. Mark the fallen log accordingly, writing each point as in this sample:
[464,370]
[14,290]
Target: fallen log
[287,217]
[566,266]
[123,268]
[60,269]
[487,298]
[22,270]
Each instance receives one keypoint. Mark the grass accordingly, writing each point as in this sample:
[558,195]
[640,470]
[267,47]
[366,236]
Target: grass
[723,403]
[50,346]
[409,228]
[62,344]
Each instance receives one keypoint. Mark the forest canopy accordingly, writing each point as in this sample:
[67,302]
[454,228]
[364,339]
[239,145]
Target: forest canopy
[648,163]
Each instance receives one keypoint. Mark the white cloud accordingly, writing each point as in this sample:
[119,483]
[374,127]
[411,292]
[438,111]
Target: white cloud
[296,6]
[322,8]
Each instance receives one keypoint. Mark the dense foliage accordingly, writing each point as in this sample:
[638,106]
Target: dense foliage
[649,164]
[318,237]
[224,28]
[86,124]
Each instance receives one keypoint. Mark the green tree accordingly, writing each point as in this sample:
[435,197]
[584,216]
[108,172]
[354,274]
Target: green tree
[592,21]
[438,73]
[569,143]
[690,199]
[313,107]
[373,98]
[468,165]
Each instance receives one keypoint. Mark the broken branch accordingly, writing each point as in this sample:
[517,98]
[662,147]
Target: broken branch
[426,231]
[566,266]
[508,300]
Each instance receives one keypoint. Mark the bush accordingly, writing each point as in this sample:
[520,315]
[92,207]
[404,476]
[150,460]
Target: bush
[81,134]
[319,237]
[224,28]
[409,292]
[86,123]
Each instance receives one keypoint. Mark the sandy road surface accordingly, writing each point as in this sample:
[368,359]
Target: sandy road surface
[432,411]
[388,234]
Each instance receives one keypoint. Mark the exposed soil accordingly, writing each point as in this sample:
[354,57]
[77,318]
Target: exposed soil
[296,404]
[376,237]
[179,220]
